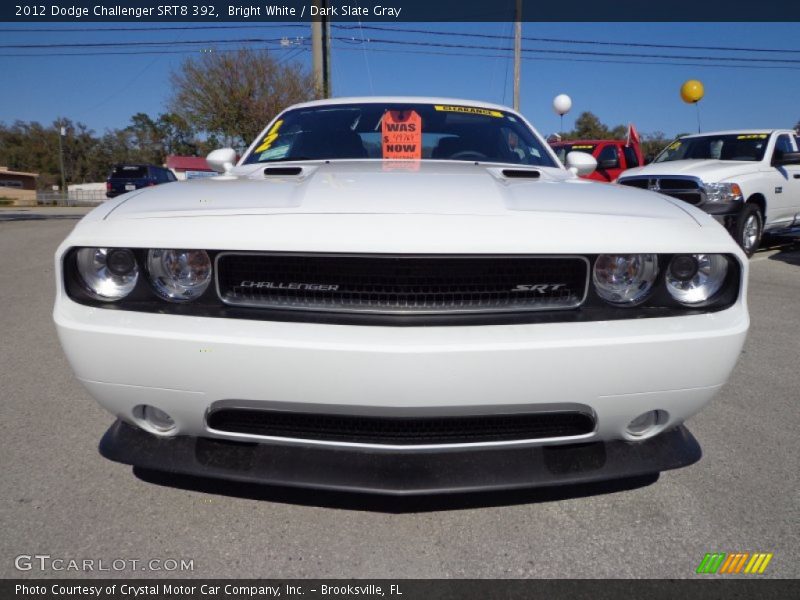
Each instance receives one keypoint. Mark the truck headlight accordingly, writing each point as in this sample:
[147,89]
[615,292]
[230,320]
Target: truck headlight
[723,192]
[179,275]
[108,274]
[695,278]
[625,279]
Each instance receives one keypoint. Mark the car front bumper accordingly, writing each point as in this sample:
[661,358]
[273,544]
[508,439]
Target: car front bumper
[187,366]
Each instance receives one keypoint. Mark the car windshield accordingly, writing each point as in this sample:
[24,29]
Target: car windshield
[400,131]
[562,150]
[735,146]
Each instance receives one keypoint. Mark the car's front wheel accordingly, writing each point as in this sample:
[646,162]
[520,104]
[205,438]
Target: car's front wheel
[749,228]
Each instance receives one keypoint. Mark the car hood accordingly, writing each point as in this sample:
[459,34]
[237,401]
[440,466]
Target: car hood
[369,207]
[706,170]
[374,187]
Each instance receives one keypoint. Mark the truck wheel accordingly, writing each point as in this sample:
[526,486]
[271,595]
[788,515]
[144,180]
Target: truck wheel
[748,229]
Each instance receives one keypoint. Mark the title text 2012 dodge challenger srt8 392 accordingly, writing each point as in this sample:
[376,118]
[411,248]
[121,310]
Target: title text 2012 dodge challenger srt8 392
[400,295]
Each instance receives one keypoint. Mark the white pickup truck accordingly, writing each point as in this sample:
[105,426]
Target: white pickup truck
[748,180]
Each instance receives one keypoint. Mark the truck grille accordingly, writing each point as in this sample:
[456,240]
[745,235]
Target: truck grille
[406,284]
[401,430]
[689,189]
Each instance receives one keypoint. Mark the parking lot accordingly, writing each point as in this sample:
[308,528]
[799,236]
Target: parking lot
[59,497]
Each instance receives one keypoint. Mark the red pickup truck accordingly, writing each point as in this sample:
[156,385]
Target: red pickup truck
[613,156]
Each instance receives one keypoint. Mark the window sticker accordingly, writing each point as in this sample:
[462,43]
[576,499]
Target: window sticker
[275,153]
[674,146]
[583,147]
[469,110]
[401,134]
[271,136]
[752,136]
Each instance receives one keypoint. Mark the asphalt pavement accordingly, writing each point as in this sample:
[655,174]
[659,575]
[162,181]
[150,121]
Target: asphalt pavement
[58,497]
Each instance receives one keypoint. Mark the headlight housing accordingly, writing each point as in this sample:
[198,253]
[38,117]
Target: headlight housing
[723,192]
[179,275]
[692,286]
[107,274]
[625,279]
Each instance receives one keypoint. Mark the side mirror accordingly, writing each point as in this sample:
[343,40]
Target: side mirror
[222,160]
[787,158]
[609,163]
[581,163]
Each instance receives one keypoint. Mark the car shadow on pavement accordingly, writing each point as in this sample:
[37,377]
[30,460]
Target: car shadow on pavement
[788,248]
[389,504]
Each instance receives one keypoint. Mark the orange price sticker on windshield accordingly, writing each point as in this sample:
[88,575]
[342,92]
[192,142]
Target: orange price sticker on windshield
[401,131]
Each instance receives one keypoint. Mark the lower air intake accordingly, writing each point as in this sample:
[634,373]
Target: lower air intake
[401,430]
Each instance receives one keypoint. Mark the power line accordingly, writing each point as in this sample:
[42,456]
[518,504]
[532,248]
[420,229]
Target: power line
[553,59]
[136,44]
[131,53]
[585,52]
[626,55]
[602,57]
[571,41]
[148,28]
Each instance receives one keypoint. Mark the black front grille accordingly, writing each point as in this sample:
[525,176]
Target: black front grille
[688,190]
[401,284]
[401,430]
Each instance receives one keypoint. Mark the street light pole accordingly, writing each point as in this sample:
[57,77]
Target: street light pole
[61,133]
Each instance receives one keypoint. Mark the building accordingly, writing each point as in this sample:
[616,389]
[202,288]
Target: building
[18,186]
[189,167]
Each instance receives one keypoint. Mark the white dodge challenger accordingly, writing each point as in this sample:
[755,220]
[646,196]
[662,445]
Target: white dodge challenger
[403,296]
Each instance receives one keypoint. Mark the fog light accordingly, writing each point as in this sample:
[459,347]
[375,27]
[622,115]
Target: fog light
[645,423]
[158,419]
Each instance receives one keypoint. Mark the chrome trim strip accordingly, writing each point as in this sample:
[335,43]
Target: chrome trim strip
[267,306]
[423,411]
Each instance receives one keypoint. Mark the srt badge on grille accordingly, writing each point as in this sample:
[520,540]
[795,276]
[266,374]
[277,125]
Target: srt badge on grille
[541,288]
[290,285]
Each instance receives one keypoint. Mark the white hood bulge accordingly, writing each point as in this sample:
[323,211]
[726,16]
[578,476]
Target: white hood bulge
[373,187]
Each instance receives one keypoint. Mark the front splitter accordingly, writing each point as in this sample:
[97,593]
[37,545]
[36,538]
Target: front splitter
[400,473]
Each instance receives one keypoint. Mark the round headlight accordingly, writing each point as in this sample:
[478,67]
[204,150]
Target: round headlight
[108,274]
[179,275]
[700,283]
[625,279]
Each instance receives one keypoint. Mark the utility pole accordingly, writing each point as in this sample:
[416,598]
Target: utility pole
[321,50]
[62,131]
[517,52]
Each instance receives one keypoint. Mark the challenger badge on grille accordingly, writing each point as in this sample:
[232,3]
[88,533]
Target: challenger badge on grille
[401,284]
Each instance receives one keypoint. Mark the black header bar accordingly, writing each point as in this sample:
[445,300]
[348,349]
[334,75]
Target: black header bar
[216,11]
[711,587]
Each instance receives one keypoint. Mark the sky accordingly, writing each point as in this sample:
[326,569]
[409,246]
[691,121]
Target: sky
[104,89]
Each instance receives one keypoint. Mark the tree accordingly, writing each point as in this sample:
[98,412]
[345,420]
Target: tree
[653,143]
[589,127]
[233,95]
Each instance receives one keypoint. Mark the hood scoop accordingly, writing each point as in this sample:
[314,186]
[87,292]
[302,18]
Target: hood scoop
[521,173]
[283,171]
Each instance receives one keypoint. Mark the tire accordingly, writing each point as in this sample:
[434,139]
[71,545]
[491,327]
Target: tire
[749,228]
